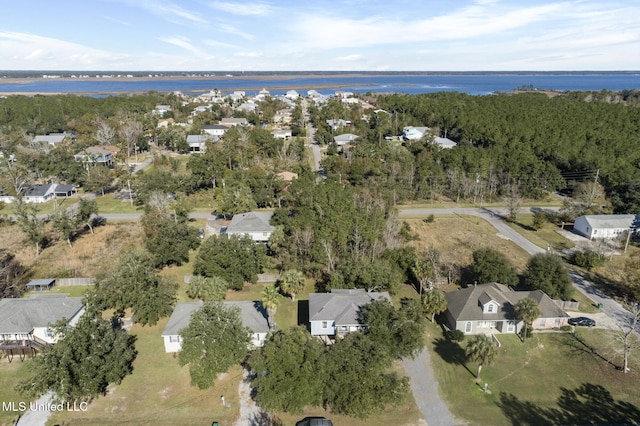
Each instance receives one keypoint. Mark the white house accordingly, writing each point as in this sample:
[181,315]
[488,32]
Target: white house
[411,133]
[344,139]
[605,225]
[198,143]
[282,134]
[255,224]
[25,323]
[444,142]
[336,313]
[45,142]
[253,316]
[214,129]
[161,110]
[40,193]
[232,121]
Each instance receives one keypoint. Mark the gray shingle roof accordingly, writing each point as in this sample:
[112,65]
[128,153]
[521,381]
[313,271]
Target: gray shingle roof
[610,221]
[341,306]
[465,304]
[253,315]
[245,223]
[22,315]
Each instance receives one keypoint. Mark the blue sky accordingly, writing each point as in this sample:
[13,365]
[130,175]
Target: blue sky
[301,35]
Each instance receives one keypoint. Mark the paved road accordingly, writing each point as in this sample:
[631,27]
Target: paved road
[424,387]
[39,415]
[494,216]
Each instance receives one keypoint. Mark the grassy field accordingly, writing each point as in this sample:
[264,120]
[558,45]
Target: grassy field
[527,381]
[10,375]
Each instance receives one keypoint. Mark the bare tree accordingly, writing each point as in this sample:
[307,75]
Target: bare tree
[626,339]
[513,200]
[130,131]
[105,133]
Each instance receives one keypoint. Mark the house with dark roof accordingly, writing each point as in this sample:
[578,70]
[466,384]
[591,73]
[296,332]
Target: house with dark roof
[605,226]
[25,323]
[253,316]
[94,154]
[255,224]
[39,193]
[337,313]
[489,308]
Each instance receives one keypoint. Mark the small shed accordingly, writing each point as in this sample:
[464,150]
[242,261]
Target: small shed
[604,226]
[41,284]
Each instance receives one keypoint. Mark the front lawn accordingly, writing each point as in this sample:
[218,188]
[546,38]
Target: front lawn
[10,375]
[530,382]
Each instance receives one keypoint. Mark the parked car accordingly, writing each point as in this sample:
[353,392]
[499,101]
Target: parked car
[582,321]
[314,421]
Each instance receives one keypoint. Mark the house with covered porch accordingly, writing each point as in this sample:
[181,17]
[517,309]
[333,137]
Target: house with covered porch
[26,323]
[489,308]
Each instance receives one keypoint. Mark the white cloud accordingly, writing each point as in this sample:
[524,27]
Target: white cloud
[117,21]
[182,42]
[168,11]
[244,9]
[29,51]
[349,58]
[248,54]
[230,29]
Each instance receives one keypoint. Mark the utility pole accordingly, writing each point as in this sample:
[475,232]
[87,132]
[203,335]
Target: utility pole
[595,182]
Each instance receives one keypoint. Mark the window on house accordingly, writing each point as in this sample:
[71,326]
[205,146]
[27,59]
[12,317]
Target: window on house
[543,322]
[324,324]
[174,339]
[490,308]
[510,325]
[48,332]
[557,322]
[467,327]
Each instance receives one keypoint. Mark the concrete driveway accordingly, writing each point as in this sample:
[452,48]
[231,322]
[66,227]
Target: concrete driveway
[602,320]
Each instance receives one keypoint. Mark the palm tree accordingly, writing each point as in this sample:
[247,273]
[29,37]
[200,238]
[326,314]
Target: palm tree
[291,282]
[434,302]
[526,310]
[270,300]
[481,349]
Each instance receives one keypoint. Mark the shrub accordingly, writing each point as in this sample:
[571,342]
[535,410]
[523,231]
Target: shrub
[588,259]
[456,336]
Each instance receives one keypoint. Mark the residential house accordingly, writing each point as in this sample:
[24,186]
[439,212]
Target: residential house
[411,133]
[489,308]
[95,154]
[262,95]
[198,143]
[214,129]
[344,139]
[253,316]
[40,193]
[231,121]
[282,134]
[292,95]
[161,110]
[25,323]
[605,226]
[248,106]
[255,224]
[337,123]
[283,116]
[237,96]
[337,313]
[200,109]
[52,140]
[444,142]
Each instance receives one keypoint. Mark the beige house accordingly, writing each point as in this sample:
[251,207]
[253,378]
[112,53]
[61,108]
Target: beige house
[489,308]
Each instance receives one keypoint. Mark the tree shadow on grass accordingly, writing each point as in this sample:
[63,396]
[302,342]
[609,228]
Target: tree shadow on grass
[577,347]
[451,352]
[587,404]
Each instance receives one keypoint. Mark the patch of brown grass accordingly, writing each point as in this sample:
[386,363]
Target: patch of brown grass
[88,255]
[458,237]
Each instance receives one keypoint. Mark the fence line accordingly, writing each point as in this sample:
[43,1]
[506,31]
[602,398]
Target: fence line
[69,282]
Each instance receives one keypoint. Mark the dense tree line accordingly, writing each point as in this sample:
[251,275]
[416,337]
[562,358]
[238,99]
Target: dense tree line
[352,376]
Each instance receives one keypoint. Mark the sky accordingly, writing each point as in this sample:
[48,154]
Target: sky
[331,35]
